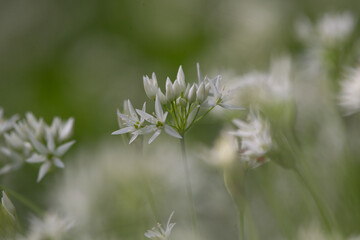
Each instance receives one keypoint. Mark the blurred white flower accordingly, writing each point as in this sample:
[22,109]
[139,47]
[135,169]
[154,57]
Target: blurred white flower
[50,227]
[255,139]
[335,28]
[6,124]
[8,205]
[159,233]
[33,141]
[150,86]
[349,96]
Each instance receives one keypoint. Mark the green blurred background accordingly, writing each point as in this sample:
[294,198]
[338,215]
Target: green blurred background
[82,58]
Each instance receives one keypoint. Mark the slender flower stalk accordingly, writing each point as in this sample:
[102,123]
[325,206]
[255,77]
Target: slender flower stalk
[188,185]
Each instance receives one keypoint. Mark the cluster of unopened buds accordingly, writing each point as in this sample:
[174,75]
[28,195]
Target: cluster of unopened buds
[186,103]
[33,141]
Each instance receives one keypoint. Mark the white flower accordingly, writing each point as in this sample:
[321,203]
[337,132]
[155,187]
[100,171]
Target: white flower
[156,123]
[349,96]
[50,227]
[160,233]
[129,121]
[8,205]
[33,141]
[335,28]
[219,94]
[150,86]
[48,155]
[255,139]
[6,125]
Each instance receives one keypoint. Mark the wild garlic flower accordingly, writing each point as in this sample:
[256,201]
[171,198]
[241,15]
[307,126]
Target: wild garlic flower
[349,96]
[33,141]
[8,206]
[255,139]
[6,124]
[50,227]
[129,121]
[185,104]
[330,30]
[159,233]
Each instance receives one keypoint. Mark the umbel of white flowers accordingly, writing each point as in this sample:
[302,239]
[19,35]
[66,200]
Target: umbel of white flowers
[186,103]
[33,141]
[255,139]
[159,233]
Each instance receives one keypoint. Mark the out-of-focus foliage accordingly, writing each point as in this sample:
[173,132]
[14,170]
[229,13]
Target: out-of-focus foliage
[297,62]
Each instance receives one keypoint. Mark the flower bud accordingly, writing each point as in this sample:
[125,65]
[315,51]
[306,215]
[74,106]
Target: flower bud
[200,93]
[162,97]
[181,101]
[192,93]
[170,95]
[177,88]
[181,78]
[150,86]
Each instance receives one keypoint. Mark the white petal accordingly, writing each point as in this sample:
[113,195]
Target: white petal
[44,169]
[192,116]
[172,132]
[67,130]
[59,163]
[158,109]
[50,141]
[37,145]
[146,116]
[132,111]
[8,205]
[62,149]
[231,107]
[134,136]
[36,158]
[154,136]
[123,130]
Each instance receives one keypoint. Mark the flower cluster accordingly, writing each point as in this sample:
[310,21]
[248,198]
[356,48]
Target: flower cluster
[33,141]
[182,100]
[349,97]
[160,233]
[255,139]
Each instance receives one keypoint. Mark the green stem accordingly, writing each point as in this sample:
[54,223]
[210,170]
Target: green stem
[241,214]
[205,114]
[146,184]
[29,204]
[188,185]
[316,199]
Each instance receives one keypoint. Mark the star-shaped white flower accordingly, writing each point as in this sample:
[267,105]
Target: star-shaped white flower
[48,155]
[157,123]
[129,121]
[160,233]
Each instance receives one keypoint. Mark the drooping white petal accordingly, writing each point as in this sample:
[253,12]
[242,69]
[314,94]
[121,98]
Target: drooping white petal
[36,158]
[59,163]
[44,169]
[123,130]
[231,107]
[172,132]
[62,149]
[134,136]
[8,205]
[158,108]
[154,136]
[192,116]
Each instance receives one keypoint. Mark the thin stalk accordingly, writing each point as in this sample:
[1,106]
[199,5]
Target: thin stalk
[241,216]
[188,185]
[316,199]
[205,113]
[26,202]
[146,184]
